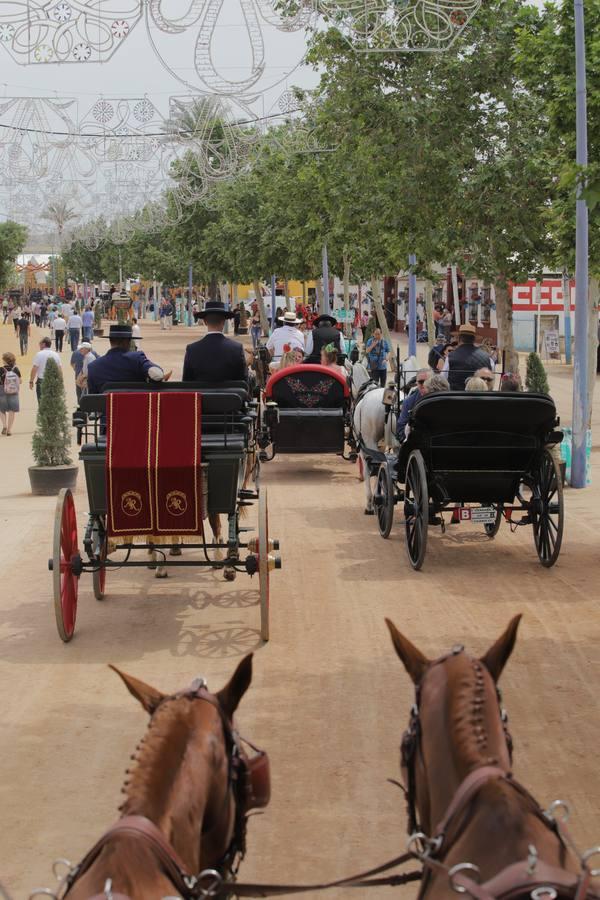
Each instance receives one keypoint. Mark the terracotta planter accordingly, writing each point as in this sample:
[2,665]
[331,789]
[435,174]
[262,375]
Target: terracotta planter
[46,481]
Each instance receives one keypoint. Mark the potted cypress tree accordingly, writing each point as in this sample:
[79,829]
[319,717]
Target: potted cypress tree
[536,378]
[51,442]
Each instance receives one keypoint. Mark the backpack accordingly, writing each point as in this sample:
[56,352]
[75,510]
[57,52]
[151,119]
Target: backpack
[11,382]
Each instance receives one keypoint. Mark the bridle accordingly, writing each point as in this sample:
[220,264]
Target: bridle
[249,786]
[531,878]
[410,746]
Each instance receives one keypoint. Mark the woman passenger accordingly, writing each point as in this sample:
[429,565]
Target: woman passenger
[329,357]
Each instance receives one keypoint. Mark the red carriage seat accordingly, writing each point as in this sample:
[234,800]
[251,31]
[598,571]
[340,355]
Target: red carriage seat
[311,402]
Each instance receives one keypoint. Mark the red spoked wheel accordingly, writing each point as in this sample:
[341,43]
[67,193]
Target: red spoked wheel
[65,556]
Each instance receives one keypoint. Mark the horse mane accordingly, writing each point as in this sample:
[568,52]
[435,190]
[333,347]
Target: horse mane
[158,759]
[468,708]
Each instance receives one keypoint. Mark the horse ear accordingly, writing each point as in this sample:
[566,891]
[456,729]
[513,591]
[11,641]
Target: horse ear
[234,690]
[497,656]
[148,696]
[414,661]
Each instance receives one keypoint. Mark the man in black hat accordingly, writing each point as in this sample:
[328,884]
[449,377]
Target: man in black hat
[463,362]
[324,332]
[215,358]
[121,363]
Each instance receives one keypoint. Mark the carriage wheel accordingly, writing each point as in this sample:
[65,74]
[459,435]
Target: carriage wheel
[491,528]
[65,548]
[383,500]
[416,509]
[547,510]
[99,576]
[263,563]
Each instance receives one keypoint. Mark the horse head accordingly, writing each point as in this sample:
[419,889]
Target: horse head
[186,781]
[456,723]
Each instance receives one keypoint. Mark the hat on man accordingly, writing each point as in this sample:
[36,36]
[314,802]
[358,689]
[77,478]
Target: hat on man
[213,306]
[324,318]
[289,318]
[85,345]
[120,332]
[467,329]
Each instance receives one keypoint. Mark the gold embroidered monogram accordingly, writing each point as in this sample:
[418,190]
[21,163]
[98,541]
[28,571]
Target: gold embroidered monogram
[176,503]
[131,503]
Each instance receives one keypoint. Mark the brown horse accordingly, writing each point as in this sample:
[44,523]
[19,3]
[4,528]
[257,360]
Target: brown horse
[182,808]
[463,803]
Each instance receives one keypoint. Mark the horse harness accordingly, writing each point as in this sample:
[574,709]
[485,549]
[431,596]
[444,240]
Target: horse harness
[530,878]
[248,781]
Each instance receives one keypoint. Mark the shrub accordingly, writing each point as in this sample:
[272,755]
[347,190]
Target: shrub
[51,442]
[536,379]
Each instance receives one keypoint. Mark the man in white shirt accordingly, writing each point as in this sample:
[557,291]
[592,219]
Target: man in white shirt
[75,326]
[66,310]
[39,365]
[59,327]
[286,334]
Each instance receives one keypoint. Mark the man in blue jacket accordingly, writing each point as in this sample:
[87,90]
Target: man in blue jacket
[121,363]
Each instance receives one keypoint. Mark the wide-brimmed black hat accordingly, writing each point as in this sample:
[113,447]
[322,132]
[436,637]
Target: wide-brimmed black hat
[122,332]
[324,318]
[212,306]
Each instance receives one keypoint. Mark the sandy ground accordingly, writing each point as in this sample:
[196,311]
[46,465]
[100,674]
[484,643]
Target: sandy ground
[329,698]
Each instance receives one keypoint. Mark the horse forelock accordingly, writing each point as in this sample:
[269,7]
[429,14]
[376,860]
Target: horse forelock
[161,755]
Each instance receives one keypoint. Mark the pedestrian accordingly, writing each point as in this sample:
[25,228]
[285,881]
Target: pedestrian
[16,315]
[78,364]
[43,318]
[445,324]
[166,315]
[59,327]
[75,326]
[10,384]
[377,353]
[87,323]
[24,331]
[4,311]
[255,326]
[39,365]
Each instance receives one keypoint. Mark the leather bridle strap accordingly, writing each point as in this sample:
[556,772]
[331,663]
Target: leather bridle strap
[467,789]
[143,829]
[362,879]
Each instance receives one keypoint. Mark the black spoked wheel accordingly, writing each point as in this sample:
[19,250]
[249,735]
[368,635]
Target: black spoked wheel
[383,500]
[491,528]
[416,509]
[547,510]
[100,547]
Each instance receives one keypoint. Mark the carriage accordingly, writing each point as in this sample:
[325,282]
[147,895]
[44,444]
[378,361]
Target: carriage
[305,410]
[478,457]
[223,478]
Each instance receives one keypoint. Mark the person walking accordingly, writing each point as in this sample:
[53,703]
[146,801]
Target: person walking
[78,364]
[16,315]
[377,353]
[75,326]
[39,365]
[24,331]
[59,327]
[87,324]
[4,310]
[10,384]
[166,315]
[255,326]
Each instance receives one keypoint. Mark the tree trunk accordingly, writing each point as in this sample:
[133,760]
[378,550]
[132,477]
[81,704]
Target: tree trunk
[381,319]
[261,307]
[346,281]
[504,316]
[286,289]
[592,348]
[429,313]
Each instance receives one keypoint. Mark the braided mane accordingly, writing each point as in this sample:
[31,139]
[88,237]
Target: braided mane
[468,709]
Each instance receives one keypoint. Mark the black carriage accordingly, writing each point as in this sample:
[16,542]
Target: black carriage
[227,430]
[305,411]
[479,457]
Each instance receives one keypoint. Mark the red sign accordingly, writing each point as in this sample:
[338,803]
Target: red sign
[551,296]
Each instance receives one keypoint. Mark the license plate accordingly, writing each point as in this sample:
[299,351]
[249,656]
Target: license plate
[483,515]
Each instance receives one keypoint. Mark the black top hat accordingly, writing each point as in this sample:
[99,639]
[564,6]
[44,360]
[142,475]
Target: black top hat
[121,332]
[325,318]
[213,306]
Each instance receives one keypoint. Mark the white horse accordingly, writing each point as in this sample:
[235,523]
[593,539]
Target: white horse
[371,427]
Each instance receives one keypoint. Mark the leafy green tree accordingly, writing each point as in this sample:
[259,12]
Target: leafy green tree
[13,238]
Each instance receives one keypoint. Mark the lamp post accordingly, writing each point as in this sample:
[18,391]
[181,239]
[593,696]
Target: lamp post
[326,281]
[190,317]
[566,289]
[581,410]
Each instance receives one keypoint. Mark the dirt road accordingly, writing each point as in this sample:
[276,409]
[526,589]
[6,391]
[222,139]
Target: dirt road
[329,698]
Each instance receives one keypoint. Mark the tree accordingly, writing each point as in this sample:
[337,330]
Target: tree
[60,214]
[51,442]
[536,379]
[13,238]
